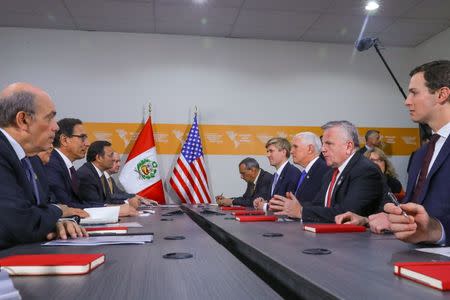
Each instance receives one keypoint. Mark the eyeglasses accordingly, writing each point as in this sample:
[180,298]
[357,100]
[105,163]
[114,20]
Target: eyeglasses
[83,137]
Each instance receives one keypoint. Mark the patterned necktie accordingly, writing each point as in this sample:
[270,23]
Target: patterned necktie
[110,184]
[275,180]
[105,186]
[425,165]
[74,179]
[300,181]
[330,188]
[32,178]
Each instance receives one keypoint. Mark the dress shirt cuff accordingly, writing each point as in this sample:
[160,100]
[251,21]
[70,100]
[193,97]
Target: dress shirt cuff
[443,237]
[266,207]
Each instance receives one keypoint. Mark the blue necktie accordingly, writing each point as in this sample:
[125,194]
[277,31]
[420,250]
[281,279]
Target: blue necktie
[302,177]
[275,179]
[31,176]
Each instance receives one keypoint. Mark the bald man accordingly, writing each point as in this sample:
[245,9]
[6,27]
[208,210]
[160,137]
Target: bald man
[27,127]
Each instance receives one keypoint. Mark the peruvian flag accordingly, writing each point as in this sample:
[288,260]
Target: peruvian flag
[141,174]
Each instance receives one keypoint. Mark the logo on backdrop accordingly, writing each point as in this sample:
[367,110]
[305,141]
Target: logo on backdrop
[146,169]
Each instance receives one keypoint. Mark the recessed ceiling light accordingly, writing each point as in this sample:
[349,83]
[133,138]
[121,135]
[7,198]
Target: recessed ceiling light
[372,5]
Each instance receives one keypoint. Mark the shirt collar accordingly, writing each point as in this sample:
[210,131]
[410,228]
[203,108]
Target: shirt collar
[342,167]
[107,175]
[280,169]
[444,131]
[16,146]
[310,164]
[99,173]
[257,176]
[66,160]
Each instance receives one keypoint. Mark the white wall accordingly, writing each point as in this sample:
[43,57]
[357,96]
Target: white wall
[109,77]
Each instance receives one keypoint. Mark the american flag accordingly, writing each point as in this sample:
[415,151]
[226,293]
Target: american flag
[189,179]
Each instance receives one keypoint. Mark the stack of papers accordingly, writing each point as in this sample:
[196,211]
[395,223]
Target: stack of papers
[138,239]
[124,224]
[101,215]
[7,290]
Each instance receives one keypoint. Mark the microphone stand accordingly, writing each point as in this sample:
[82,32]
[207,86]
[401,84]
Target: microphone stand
[424,129]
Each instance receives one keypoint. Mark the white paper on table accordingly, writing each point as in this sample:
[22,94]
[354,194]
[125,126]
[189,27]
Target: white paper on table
[103,240]
[101,215]
[7,290]
[437,250]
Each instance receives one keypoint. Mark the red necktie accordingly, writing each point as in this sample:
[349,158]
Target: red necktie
[425,165]
[330,188]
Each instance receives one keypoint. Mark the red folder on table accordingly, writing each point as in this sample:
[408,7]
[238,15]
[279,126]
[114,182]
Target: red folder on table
[248,213]
[105,230]
[51,264]
[256,218]
[233,208]
[333,228]
[434,274]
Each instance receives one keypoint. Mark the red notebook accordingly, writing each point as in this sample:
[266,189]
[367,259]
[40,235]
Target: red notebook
[256,218]
[102,230]
[333,228]
[51,264]
[233,208]
[248,213]
[433,274]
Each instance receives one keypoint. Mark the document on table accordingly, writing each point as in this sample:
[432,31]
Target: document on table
[124,224]
[101,215]
[437,250]
[7,290]
[138,239]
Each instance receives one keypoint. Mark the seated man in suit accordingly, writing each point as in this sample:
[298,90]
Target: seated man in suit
[119,194]
[353,184]
[70,143]
[305,152]
[427,191]
[373,139]
[286,176]
[93,186]
[258,184]
[27,127]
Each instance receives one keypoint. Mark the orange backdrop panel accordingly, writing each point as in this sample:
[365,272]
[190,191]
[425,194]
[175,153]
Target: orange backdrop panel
[234,139]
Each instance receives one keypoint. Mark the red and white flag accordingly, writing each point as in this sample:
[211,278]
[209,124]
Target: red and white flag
[189,179]
[141,173]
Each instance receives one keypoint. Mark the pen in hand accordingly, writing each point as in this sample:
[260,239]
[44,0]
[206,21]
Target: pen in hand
[395,201]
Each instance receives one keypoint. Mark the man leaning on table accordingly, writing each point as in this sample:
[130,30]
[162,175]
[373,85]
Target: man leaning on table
[27,127]
[428,188]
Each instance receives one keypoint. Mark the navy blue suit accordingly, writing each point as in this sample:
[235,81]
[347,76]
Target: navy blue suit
[312,183]
[262,189]
[21,219]
[287,181]
[91,188]
[359,189]
[61,183]
[435,195]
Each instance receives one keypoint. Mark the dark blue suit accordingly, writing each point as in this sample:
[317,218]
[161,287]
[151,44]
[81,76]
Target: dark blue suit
[21,219]
[262,189]
[435,195]
[287,181]
[61,183]
[312,183]
[359,189]
[91,188]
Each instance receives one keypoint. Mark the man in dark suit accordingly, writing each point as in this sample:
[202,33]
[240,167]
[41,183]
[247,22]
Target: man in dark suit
[258,184]
[286,176]
[93,186]
[117,193]
[70,143]
[305,152]
[353,184]
[27,127]
[427,188]
[373,139]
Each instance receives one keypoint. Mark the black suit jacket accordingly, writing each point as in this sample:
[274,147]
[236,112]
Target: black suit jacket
[119,194]
[262,189]
[21,219]
[61,184]
[312,183]
[359,189]
[362,150]
[287,182]
[435,195]
[91,188]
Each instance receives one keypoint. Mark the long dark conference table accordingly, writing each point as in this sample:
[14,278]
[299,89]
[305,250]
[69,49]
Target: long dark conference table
[233,260]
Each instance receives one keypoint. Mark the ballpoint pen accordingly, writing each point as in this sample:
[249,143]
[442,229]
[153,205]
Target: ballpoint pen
[395,201]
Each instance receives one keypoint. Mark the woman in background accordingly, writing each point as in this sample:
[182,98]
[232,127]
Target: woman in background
[380,159]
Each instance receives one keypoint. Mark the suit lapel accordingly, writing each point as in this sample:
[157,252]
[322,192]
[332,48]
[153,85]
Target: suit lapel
[356,157]
[66,173]
[280,179]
